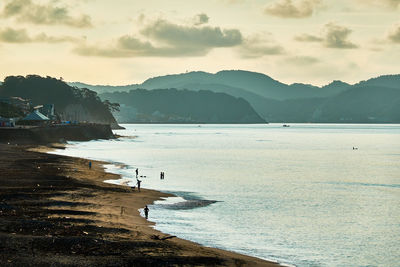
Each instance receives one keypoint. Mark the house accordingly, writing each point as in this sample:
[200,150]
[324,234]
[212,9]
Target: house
[47,110]
[35,118]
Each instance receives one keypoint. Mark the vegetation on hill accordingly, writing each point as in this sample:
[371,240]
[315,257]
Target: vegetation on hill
[10,111]
[368,101]
[70,103]
[172,105]
[389,81]
[356,105]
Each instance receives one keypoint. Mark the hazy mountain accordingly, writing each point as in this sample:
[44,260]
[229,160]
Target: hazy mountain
[356,105]
[253,82]
[258,89]
[279,102]
[104,88]
[362,104]
[183,106]
[256,83]
[390,81]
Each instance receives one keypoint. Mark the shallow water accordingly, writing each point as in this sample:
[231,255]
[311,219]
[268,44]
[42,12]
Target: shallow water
[298,195]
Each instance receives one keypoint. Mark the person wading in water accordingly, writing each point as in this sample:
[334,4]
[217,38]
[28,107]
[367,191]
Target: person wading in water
[146,212]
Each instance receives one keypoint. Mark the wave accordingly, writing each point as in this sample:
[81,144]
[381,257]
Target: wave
[364,184]
[184,201]
[188,204]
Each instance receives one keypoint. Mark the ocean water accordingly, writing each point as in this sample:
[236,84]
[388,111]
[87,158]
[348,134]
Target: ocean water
[298,195]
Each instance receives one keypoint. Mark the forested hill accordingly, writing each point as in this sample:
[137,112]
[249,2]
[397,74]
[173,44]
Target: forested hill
[182,106]
[228,81]
[278,102]
[70,103]
[360,104]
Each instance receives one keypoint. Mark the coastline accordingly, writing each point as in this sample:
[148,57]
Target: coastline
[55,210]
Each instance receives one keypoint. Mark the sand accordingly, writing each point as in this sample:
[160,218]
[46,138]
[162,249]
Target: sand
[56,211]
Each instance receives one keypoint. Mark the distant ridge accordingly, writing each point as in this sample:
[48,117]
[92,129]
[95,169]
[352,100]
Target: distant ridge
[181,106]
[280,102]
[390,81]
[253,82]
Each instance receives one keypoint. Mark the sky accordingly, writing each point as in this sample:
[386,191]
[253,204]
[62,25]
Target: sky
[128,41]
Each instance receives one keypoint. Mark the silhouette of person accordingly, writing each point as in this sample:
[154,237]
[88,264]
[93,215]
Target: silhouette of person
[161,175]
[90,164]
[137,172]
[138,184]
[146,212]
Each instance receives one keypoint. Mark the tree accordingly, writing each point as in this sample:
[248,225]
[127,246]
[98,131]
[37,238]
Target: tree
[111,106]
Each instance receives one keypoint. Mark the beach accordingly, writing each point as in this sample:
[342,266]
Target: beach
[55,210]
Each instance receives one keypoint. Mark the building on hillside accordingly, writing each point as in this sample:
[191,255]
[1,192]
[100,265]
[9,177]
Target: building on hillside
[47,110]
[35,118]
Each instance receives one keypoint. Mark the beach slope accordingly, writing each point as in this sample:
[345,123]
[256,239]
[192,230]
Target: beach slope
[56,211]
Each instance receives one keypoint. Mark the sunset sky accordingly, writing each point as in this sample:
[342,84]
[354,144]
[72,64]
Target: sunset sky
[127,41]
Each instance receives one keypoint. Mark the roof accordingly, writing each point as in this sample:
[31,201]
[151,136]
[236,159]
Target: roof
[35,116]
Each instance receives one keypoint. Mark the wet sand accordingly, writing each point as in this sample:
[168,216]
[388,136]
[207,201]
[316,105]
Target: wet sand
[56,211]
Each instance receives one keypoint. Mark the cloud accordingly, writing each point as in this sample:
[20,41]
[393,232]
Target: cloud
[161,38]
[381,3]
[394,34]
[392,3]
[9,35]
[201,19]
[334,36]
[27,11]
[292,8]
[308,38]
[165,39]
[302,60]
[256,47]
[189,36]
[233,1]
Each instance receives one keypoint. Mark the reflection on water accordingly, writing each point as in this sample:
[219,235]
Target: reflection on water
[299,194]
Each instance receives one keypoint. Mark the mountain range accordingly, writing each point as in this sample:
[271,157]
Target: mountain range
[375,100]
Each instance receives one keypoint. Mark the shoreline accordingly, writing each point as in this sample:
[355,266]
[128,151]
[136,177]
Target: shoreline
[102,218]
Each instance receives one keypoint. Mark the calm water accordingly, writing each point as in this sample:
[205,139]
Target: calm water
[298,195]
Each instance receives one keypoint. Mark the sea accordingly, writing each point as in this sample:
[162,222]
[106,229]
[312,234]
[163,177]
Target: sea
[303,195]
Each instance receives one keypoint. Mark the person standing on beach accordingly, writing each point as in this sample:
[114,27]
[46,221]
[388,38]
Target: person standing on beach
[90,164]
[146,212]
[138,184]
